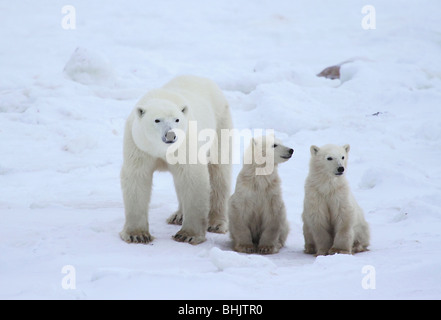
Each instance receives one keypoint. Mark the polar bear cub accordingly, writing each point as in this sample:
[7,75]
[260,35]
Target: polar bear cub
[257,215]
[333,222]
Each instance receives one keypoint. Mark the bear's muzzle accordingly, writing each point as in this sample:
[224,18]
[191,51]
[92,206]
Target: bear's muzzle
[169,137]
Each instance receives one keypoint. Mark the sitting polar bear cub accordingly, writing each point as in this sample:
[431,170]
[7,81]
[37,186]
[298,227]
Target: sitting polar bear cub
[257,215]
[333,222]
[160,121]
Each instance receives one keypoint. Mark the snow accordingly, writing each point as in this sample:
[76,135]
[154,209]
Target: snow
[65,95]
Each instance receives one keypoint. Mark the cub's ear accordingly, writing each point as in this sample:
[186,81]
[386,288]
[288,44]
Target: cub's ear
[184,110]
[347,147]
[140,112]
[314,150]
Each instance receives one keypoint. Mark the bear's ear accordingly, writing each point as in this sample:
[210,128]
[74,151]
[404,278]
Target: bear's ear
[140,112]
[314,150]
[184,110]
[347,147]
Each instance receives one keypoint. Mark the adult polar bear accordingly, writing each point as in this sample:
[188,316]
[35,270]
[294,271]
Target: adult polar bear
[152,128]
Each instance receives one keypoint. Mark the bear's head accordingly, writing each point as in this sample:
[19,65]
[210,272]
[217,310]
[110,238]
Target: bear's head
[157,124]
[265,152]
[330,159]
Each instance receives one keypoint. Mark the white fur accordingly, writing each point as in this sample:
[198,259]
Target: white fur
[333,222]
[202,189]
[257,215]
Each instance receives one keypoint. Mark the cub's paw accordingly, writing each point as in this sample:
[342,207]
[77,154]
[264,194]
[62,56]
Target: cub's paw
[136,236]
[218,227]
[310,249]
[267,250]
[189,237]
[245,248]
[359,248]
[176,218]
[336,250]
[322,252]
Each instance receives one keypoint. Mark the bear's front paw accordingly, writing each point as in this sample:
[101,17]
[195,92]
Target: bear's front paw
[245,248]
[136,237]
[322,252]
[310,249]
[218,227]
[175,218]
[267,250]
[184,236]
[336,250]
[359,248]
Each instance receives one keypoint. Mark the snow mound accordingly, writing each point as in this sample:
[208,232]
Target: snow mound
[334,261]
[88,67]
[14,101]
[371,178]
[228,259]
[80,144]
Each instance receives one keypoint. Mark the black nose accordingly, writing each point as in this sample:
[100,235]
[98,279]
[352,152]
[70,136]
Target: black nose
[291,151]
[341,169]
[169,137]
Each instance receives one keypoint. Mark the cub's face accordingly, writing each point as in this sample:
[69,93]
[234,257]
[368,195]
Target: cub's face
[157,125]
[269,150]
[330,159]
[281,152]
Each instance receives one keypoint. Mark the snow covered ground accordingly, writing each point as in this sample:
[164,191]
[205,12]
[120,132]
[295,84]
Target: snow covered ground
[65,95]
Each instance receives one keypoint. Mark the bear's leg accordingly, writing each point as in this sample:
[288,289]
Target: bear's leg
[309,240]
[220,176]
[318,231]
[361,238]
[343,240]
[269,240]
[193,187]
[239,228]
[177,217]
[274,227]
[322,239]
[242,238]
[137,188]
[283,233]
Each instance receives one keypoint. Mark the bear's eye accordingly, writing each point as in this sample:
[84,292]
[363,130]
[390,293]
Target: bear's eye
[329,158]
[275,145]
[343,157]
[177,120]
[157,120]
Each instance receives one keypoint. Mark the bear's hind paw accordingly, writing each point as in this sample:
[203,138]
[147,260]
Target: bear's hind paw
[218,227]
[175,218]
